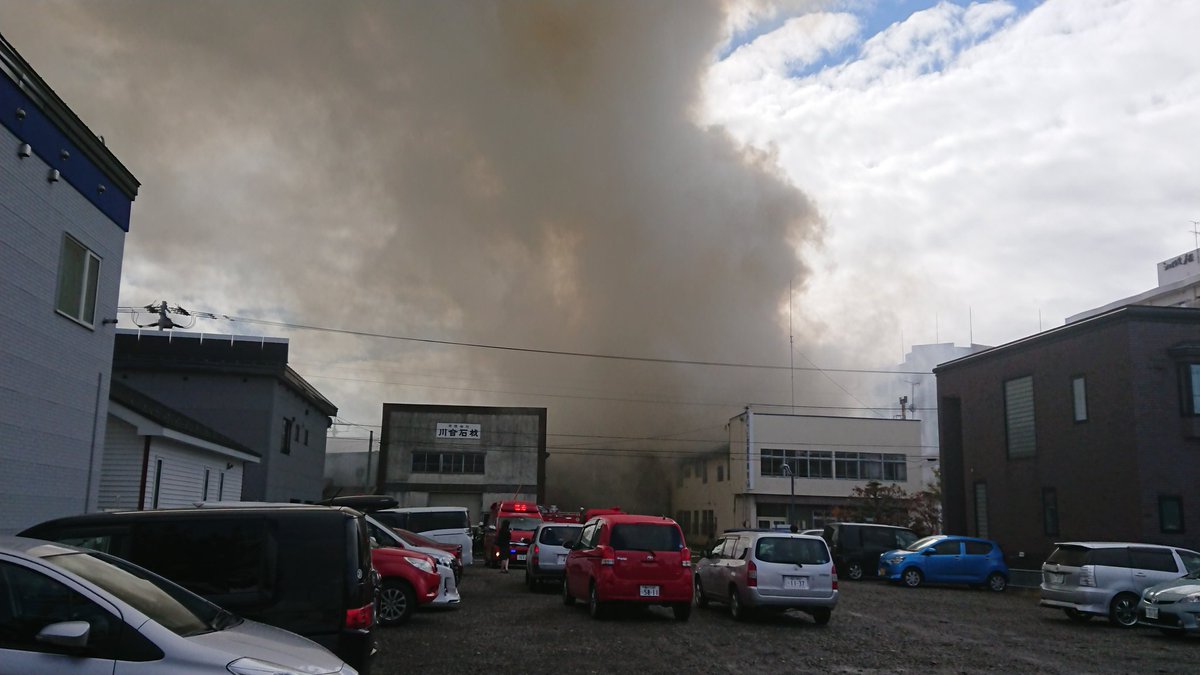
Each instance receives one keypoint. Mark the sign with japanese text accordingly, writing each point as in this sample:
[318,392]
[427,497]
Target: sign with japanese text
[457,431]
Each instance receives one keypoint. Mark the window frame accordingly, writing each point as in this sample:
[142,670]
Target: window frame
[1079,399]
[1163,501]
[1050,526]
[83,306]
[1012,426]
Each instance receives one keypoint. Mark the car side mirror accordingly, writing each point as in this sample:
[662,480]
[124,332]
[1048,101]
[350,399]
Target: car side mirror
[66,634]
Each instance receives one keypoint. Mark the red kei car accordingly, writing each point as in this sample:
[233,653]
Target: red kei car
[409,579]
[628,558]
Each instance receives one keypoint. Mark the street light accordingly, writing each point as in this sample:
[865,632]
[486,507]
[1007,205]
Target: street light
[787,471]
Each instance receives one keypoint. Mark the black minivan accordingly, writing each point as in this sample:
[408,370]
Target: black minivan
[306,569]
[856,547]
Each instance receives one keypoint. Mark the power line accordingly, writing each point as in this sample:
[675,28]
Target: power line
[529,350]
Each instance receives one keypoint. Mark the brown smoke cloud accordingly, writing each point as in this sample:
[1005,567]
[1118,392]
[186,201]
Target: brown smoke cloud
[527,173]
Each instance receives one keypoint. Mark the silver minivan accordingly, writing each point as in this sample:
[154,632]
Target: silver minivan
[548,553]
[770,571]
[1086,579]
[66,609]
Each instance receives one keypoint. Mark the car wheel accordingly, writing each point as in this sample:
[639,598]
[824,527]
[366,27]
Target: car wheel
[996,582]
[566,595]
[821,615]
[854,572]
[682,610]
[595,607]
[1076,615]
[912,577]
[736,610]
[700,599]
[397,601]
[1123,610]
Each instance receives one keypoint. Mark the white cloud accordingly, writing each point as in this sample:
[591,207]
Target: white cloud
[975,163]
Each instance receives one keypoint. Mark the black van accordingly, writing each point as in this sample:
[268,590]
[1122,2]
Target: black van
[856,547]
[306,569]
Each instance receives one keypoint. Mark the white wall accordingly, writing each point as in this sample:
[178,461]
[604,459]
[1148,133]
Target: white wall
[182,478]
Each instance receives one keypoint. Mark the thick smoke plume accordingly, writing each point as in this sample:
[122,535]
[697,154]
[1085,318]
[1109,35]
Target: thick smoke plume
[527,174]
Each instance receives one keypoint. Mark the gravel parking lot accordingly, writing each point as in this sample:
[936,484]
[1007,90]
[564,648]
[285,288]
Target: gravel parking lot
[503,628]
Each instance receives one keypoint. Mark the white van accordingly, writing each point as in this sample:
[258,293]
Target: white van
[450,524]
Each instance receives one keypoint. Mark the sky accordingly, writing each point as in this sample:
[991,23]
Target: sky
[798,190]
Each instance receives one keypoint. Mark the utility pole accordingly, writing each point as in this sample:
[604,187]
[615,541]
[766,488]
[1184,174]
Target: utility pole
[787,469]
[370,447]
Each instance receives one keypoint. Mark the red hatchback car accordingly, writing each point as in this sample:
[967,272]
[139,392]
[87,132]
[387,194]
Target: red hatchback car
[633,559]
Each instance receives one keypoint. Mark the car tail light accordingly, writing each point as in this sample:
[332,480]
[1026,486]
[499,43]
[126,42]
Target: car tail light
[751,573]
[1087,575]
[360,618]
[686,558]
[833,571]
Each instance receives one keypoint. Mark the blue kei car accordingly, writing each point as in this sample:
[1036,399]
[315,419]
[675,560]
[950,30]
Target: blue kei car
[947,560]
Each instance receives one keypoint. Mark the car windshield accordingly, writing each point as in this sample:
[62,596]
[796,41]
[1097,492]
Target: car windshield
[525,524]
[1069,556]
[174,607]
[791,550]
[383,535]
[557,535]
[922,543]
[646,537]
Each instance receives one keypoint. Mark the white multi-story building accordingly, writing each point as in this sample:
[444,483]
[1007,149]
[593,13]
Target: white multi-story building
[781,469]
[65,202]
[1178,286]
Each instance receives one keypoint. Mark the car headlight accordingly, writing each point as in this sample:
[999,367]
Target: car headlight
[423,565]
[248,666]
[895,561]
[1194,597]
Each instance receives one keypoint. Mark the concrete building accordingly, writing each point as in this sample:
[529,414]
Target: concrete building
[1178,286]
[749,482]
[1090,431]
[243,388]
[435,455]
[65,202]
[158,458]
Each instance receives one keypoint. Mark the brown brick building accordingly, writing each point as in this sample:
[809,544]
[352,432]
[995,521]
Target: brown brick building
[1090,431]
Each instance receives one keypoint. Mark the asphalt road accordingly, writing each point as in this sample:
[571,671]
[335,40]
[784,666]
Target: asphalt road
[501,627]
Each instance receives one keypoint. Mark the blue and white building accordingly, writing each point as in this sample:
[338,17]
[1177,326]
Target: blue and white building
[65,202]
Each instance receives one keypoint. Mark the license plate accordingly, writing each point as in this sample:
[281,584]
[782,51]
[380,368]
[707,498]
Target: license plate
[1056,578]
[795,583]
[520,556]
[649,591]
[1151,612]
[562,558]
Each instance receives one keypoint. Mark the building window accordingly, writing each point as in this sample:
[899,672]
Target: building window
[448,462]
[1191,389]
[773,461]
[306,435]
[1170,514]
[720,473]
[158,466]
[1050,511]
[981,515]
[78,278]
[1018,417]
[221,487]
[204,490]
[285,445]
[1079,398]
